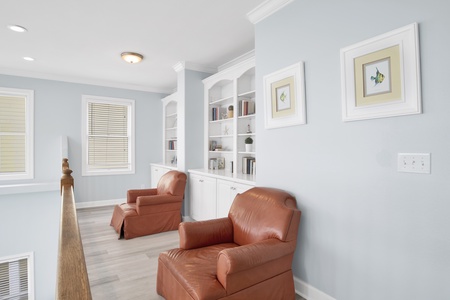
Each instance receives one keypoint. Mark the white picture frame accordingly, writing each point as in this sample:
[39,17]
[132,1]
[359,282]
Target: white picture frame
[284,97]
[380,77]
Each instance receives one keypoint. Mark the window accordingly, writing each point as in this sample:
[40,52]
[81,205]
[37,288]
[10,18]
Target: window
[108,136]
[16,134]
[16,277]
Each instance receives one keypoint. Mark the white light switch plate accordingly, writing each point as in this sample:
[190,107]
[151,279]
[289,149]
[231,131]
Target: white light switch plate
[414,163]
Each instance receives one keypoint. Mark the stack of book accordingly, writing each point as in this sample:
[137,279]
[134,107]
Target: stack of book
[249,165]
[246,107]
[215,113]
[172,145]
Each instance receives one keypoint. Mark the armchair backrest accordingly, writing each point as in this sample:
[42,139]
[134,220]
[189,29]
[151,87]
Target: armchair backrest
[172,183]
[263,213]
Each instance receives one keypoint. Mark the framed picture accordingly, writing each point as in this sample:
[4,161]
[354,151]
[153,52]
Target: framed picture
[284,97]
[221,163]
[381,76]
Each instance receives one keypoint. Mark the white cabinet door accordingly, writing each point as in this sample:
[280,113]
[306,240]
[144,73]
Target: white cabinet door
[226,192]
[156,173]
[203,197]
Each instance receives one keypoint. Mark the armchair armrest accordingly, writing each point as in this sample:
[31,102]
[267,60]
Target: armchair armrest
[157,199]
[247,265]
[158,204]
[205,233]
[133,194]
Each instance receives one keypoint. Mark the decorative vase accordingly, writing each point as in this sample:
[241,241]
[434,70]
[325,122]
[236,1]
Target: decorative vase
[248,147]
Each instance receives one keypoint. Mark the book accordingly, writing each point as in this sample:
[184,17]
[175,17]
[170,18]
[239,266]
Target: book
[215,113]
[246,107]
[248,165]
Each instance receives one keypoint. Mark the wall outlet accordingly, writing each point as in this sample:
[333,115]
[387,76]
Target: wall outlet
[414,163]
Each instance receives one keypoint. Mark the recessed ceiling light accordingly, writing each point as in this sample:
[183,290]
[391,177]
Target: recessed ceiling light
[132,57]
[17,28]
[28,58]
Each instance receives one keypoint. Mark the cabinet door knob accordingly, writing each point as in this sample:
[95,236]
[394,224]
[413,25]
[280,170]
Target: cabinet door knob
[201,180]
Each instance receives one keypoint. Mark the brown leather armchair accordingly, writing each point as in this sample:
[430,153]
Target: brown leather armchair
[150,211]
[247,255]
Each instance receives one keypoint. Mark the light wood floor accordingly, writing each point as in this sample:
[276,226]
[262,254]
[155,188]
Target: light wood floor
[121,269]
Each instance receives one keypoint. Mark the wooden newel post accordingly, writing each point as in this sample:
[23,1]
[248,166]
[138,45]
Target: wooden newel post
[66,178]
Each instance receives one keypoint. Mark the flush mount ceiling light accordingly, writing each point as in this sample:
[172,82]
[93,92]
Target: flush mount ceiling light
[132,57]
[17,28]
[28,58]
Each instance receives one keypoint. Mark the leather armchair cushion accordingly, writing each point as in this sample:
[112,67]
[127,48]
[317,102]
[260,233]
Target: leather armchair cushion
[252,222]
[133,194]
[158,203]
[169,184]
[244,266]
[205,233]
[195,270]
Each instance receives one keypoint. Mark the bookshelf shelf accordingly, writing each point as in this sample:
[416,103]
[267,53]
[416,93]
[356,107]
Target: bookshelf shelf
[250,94]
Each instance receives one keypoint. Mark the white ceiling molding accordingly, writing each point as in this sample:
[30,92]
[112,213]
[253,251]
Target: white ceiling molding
[237,60]
[185,65]
[73,79]
[265,9]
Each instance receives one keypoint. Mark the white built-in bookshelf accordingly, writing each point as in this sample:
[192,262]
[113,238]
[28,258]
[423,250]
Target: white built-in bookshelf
[170,136]
[229,120]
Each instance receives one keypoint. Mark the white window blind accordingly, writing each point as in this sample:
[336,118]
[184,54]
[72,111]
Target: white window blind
[15,134]
[15,278]
[109,136]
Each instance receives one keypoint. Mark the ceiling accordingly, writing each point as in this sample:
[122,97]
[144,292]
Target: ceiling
[81,41]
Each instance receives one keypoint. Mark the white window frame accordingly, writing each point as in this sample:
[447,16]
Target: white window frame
[86,171]
[29,133]
[29,256]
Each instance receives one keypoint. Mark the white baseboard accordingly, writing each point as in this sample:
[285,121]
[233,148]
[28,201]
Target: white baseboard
[187,219]
[100,203]
[309,292]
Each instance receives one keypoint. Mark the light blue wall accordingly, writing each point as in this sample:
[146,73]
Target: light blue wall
[193,90]
[58,113]
[194,118]
[30,223]
[367,231]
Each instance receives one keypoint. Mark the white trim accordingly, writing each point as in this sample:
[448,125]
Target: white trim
[309,292]
[29,133]
[29,188]
[29,256]
[185,65]
[266,9]
[249,55]
[85,99]
[73,79]
[100,203]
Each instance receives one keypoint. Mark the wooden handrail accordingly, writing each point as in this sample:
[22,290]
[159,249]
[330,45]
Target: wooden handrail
[72,278]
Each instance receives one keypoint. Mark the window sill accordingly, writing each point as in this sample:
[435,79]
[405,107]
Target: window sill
[29,188]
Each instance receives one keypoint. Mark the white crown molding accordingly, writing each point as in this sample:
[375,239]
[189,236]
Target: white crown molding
[265,9]
[237,60]
[185,65]
[73,79]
